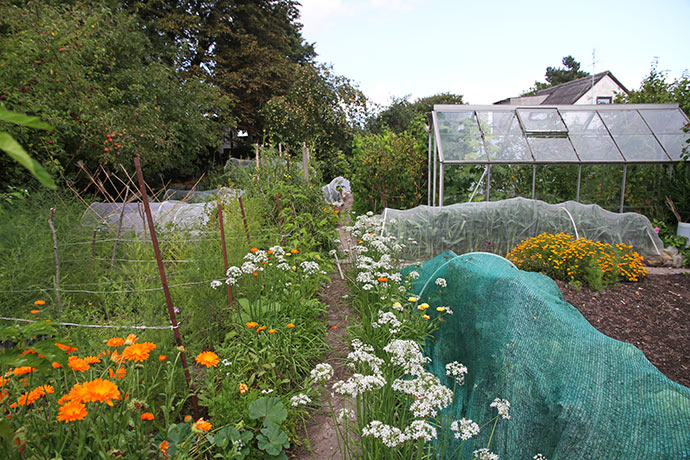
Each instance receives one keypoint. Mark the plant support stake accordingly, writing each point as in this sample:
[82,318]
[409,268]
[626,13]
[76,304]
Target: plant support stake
[225,252]
[57,260]
[244,219]
[164,281]
[280,219]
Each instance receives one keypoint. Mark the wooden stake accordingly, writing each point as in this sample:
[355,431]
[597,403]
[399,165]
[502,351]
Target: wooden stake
[244,219]
[57,259]
[225,252]
[164,282]
[305,161]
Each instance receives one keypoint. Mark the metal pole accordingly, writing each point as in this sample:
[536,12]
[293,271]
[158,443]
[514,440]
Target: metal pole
[534,181]
[440,184]
[433,199]
[579,180]
[57,259]
[488,182]
[428,167]
[225,252]
[164,281]
[625,174]
[244,219]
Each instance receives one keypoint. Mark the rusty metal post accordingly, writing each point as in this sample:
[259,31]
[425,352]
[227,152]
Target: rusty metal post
[164,281]
[280,219]
[57,260]
[225,252]
[244,219]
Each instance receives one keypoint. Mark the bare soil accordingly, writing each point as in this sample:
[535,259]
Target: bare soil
[652,314]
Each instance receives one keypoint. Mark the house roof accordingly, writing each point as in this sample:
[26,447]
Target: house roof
[569,92]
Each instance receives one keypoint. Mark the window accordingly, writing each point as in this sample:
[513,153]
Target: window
[604,99]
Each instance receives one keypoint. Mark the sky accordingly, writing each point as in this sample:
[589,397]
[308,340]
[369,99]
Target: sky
[489,50]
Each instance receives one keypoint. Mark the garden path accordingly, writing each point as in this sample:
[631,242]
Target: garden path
[321,429]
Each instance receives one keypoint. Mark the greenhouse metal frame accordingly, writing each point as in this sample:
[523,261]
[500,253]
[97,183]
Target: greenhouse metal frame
[489,135]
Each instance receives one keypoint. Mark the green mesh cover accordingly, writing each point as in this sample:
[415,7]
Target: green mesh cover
[574,392]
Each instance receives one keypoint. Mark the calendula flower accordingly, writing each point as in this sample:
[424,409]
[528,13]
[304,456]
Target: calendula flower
[101,390]
[65,348]
[164,446]
[116,357]
[412,299]
[76,394]
[271,331]
[294,251]
[40,302]
[138,352]
[243,388]
[73,410]
[252,324]
[120,374]
[33,312]
[22,370]
[147,416]
[115,342]
[334,327]
[290,325]
[422,306]
[56,365]
[207,358]
[202,425]
[426,317]
[130,339]
[162,358]
[382,279]
[254,249]
[92,360]
[78,364]
[440,309]
[260,328]
[187,418]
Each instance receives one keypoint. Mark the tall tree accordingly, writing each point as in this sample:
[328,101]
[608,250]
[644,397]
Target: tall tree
[398,116]
[557,75]
[655,89]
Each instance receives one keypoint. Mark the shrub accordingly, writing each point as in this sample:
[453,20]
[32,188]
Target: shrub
[563,257]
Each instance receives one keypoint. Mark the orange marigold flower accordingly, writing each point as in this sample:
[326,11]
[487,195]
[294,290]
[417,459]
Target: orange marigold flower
[294,251]
[65,348]
[23,370]
[270,251]
[187,418]
[115,342]
[40,302]
[92,359]
[207,358]
[334,327]
[255,274]
[130,339]
[101,390]
[3,381]
[271,331]
[78,364]
[3,395]
[120,374]
[33,312]
[254,249]
[73,410]
[162,358]
[138,352]
[203,425]
[147,416]
[243,388]
[252,324]
[116,357]
[382,279]
[290,325]
[260,328]
[165,445]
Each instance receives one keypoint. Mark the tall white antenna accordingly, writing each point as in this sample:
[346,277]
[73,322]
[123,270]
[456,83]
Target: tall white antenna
[591,86]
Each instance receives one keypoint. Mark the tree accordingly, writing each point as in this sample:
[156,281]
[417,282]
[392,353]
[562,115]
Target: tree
[399,115]
[654,88]
[92,74]
[557,75]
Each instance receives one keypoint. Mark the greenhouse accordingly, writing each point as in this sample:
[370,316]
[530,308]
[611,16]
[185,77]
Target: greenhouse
[491,135]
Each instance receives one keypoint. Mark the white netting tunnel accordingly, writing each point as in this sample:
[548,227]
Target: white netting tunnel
[497,226]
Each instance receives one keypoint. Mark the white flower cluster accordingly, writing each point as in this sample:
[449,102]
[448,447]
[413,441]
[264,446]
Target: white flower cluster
[363,353]
[441,282]
[283,266]
[267,391]
[392,436]
[406,354]
[464,429]
[322,372]
[387,317]
[358,384]
[397,306]
[232,275]
[215,284]
[484,454]
[502,406]
[429,394]
[457,370]
[413,274]
[300,400]
[310,267]
[345,414]
[539,457]
[259,257]
[249,267]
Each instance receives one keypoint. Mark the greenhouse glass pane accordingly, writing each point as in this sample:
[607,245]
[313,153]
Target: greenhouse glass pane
[552,150]
[541,120]
[668,126]
[504,139]
[590,137]
[633,136]
[460,137]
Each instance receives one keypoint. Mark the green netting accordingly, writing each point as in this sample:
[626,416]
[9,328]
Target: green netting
[574,392]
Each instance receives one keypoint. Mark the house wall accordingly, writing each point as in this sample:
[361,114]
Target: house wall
[606,87]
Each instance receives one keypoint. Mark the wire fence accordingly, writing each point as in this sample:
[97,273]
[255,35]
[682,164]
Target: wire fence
[96,326]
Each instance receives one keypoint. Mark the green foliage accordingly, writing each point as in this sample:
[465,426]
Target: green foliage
[401,113]
[557,75]
[93,75]
[655,89]
[668,235]
[389,169]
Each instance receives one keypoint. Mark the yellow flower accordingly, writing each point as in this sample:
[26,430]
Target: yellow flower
[426,317]
[243,388]
[397,305]
[422,306]
[207,358]
[412,299]
[440,309]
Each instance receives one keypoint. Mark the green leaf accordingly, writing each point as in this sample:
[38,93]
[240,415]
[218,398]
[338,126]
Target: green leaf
[271,409]
[22,119]
[17,152]
[272,439]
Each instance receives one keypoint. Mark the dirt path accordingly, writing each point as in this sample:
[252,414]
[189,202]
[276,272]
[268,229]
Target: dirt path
[321,430]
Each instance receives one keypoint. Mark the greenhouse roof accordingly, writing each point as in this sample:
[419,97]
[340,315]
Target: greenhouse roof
[503,134]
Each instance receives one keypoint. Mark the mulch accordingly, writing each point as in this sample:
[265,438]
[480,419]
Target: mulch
[652,314]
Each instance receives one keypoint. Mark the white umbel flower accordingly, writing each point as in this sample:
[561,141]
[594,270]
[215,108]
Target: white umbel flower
[322,372]
[464,429]
[300,400]
[456,370]
[502,406]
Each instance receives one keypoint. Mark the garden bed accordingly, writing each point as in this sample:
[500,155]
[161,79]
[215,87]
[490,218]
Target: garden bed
[652,314]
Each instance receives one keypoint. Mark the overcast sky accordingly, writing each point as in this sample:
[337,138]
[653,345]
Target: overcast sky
[489,50]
